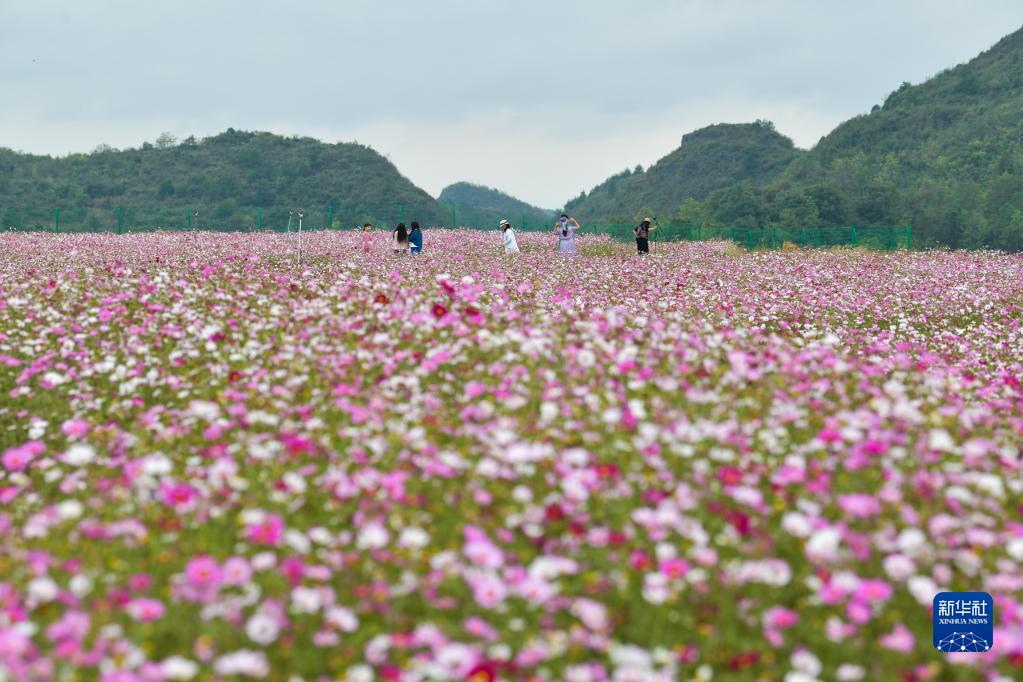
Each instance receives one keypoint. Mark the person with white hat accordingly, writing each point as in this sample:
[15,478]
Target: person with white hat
[643,231]
[510,245]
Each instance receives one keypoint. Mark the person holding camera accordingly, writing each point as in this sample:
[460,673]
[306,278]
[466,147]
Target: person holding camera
[565,230]
[643,231]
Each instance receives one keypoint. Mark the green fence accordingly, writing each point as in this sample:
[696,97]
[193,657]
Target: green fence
[886,238]
[276,218]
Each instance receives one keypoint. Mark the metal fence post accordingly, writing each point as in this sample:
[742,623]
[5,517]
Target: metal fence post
[259,219]
[120,220]
[855,237]
[330,216]
[749,237]
[56,219]
[454,219]
[188,214]
[909,233]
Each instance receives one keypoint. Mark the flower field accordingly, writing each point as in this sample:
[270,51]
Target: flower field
[704,464]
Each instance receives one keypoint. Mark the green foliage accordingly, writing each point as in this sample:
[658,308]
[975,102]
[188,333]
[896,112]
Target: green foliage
[485,207]
[225,177]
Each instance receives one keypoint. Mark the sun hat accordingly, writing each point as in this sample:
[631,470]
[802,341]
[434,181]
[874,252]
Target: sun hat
[503,223]
[648,220]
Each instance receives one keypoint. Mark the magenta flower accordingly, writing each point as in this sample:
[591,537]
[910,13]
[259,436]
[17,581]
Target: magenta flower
[177,495]
[674,568]
[268,531]
[779,618]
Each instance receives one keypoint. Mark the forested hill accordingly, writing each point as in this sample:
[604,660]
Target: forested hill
[715,157]
[945,156]
[484,206]
[227,178]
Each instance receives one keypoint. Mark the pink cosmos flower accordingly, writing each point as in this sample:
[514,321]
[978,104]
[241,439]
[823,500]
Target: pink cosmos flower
[872,591]
[477,627]
[145,610]
[177,495]
[73,625]
[269,531]
[674,568]
[203,571]
[16,459]
[859,505]
[75,428]
[19,457]
[237,571]
[487,590]
[829,435]
[899,639]
[779,618]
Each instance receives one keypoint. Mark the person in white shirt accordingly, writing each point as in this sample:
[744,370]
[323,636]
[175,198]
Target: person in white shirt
[510,245]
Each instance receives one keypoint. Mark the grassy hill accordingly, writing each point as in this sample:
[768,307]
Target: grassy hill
[709,159]
[482,206]
[226,178]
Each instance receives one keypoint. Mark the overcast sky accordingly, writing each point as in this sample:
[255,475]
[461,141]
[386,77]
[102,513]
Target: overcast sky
[542,99]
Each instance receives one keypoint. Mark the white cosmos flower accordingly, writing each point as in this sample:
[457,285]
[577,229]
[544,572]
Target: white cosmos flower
[824,544]
[80,585]
[262,629]
[70,509]
[178,668]
[373,536]
[243,662]
[847,672]
[305,600]
[43,589]
[79,454]
[796,524]
[413,538]
[342,619]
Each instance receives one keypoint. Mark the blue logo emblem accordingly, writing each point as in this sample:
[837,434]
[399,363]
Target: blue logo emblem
[964,622]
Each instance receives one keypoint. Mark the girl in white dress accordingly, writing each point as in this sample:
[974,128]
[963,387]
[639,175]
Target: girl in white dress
[510,245]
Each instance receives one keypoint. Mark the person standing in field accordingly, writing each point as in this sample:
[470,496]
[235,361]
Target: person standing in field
[565,230]
[415,238]
[365,237]
[510,244]
[400,238]
[643,231]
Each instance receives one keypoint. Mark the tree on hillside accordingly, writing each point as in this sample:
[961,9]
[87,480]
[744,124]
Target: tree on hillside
[690,212]
[166,141]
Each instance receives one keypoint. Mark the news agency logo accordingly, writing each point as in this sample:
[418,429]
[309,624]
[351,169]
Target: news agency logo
[964,622]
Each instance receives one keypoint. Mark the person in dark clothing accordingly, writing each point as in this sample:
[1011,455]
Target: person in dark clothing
[415,238]
[643,231]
